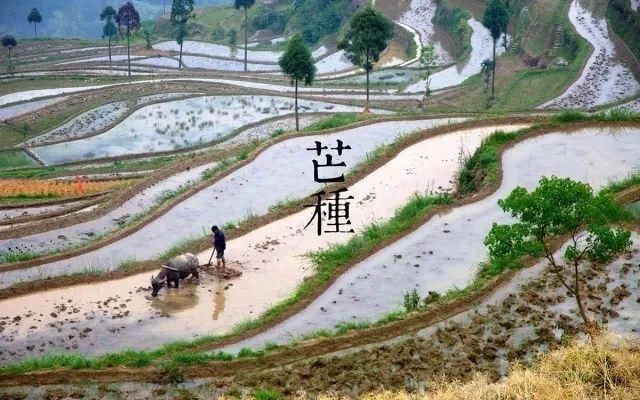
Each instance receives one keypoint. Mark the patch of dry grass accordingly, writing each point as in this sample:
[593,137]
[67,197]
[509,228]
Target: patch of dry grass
[609,369]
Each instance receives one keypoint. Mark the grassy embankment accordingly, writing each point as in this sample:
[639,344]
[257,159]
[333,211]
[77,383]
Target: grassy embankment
[625,23]
[520,88]
[478,171]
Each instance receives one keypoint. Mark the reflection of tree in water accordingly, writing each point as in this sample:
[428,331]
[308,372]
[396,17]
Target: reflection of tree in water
[176,300]
[597,8]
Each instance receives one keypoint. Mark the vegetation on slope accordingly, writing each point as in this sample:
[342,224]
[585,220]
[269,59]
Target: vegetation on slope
[454,21]
[625,23]
[608,369]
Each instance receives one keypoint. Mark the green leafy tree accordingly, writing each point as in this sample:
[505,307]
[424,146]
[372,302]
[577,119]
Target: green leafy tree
[298,64]
[34,18]
[428,58]
[561,206]
[181,12]
[366,38]
[128,20]
[495,19]
[246,4]
[9,42]
[109,30]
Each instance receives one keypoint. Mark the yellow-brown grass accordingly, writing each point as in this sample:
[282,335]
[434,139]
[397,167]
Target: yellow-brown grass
[608,369]
[52,188]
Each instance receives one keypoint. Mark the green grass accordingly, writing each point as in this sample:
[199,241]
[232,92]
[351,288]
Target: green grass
[15,159]
[481,168]
[337,120]
[7,257]
[265,394]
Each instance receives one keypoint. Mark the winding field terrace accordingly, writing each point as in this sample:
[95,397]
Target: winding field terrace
[112,164]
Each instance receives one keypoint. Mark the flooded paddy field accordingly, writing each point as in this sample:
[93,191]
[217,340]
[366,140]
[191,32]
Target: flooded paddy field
[234,197]
[263,255]
[428,260]
[179,124]
[606,77]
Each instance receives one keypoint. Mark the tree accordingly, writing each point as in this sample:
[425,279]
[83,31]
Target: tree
[298,64]
[34,18]
[246,4]
[495,19]
[428,58]
[109,30]
[128,20]
[486,69]
[181,12]
[9,42]
[560,206]
[366,38]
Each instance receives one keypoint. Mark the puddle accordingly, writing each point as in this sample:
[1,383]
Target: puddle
[481,49]
[229,200]
[605,78]
[270,269]
[180,124]
[448,247]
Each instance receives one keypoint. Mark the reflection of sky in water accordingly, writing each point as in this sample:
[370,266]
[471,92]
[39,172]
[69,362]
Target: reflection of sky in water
[481,49]
[180,124]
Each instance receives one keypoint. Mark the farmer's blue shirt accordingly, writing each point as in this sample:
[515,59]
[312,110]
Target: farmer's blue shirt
[218,240]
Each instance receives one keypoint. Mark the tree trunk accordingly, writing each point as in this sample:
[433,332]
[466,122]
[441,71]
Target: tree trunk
[164,8]
[246,35]
[109,50]
[297,120]
[180,61]
[366,106]
[35,30]
[493,74]
[129,52]
[583,313]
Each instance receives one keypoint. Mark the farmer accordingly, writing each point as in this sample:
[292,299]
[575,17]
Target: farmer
[219,244]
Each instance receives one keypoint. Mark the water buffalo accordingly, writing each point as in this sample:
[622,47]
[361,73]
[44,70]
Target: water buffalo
[177,268]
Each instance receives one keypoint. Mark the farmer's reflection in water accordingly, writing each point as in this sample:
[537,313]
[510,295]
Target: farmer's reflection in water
[219,300]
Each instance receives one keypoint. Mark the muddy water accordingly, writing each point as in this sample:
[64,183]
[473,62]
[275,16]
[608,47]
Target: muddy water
[338,93]
[279,173]
[442,254]
[271,268]
[180,124]
[11,213]
[606,77]
[481,49]
[7,113]
[79,233]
